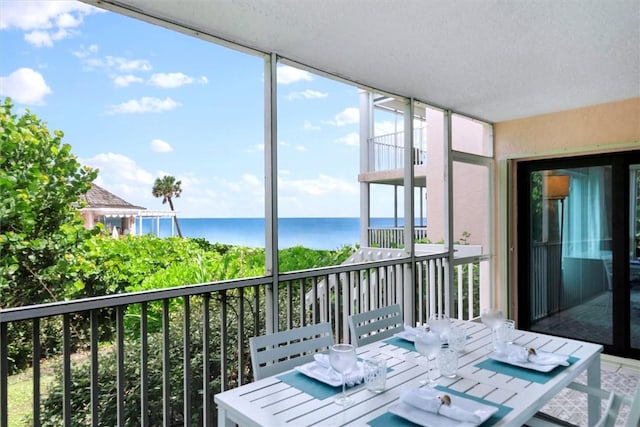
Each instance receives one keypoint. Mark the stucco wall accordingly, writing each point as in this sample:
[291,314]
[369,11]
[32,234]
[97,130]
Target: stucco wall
[599,128]
[596,128]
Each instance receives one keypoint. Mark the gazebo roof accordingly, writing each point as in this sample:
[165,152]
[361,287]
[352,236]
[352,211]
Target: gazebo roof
[99,198]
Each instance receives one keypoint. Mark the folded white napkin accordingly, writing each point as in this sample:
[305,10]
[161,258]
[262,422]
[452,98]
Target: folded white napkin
[428,400]
[411,330]
[521,355]
[354,377]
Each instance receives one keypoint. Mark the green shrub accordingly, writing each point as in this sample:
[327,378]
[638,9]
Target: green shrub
[51,413]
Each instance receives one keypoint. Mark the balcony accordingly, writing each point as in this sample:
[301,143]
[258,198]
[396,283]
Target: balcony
[386,159]
[144,355]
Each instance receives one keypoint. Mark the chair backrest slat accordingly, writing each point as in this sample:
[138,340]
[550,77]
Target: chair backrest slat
[375,324]
[272,354]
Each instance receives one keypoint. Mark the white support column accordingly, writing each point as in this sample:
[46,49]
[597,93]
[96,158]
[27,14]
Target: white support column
[448,201]
[366,162]
[271,189]
[409,246]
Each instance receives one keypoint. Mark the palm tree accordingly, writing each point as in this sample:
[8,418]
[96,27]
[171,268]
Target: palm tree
[167,188]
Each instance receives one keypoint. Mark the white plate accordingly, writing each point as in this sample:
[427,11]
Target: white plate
[321,373]
[405,335]
[429,419]
[408,336]
[502,357]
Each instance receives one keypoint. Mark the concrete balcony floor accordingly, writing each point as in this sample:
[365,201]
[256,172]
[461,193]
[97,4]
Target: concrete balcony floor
[619,375]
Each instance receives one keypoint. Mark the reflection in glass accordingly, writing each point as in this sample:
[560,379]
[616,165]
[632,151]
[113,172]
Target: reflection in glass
[634,255]
[571,289]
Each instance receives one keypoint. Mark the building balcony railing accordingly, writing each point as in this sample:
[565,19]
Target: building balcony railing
[155,357]
[393,237]
[386,152]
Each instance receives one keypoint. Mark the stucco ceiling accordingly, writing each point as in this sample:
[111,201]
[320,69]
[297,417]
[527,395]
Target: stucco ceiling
[494,60]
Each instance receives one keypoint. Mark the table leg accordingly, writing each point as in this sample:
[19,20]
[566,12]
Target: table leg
[593,380]
[222,418]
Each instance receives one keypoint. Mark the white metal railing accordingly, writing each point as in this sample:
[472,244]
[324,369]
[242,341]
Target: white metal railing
[393,237]
[208,326]
[387,151]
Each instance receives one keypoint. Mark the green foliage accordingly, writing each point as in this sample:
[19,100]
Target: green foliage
[109,266]
[41,183]
[51,414]
[301,258]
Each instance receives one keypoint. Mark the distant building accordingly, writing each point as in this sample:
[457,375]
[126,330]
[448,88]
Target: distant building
[118,215]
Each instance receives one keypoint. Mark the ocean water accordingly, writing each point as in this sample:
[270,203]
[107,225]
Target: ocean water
[315,233]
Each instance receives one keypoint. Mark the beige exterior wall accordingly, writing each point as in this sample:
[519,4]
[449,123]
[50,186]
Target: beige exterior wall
[595,129]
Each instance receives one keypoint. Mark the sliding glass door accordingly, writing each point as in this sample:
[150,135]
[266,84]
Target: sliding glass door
[634,253]
[578,267]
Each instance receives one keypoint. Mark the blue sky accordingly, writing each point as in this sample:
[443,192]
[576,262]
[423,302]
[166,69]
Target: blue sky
[139,101]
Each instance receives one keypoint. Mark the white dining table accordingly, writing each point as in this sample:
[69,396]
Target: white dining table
[285,399]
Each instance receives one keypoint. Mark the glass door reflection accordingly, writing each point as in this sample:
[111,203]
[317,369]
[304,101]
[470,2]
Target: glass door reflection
[634,253]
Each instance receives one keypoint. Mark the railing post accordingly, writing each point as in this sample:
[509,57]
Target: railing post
[37,354]
[186,361]
[4,374]
[66,370]
[144,366]
[207,411]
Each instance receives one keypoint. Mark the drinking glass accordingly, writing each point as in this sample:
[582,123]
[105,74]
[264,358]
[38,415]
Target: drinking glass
[504,332]
[375,374]
[343,360]
[439,323]
[457,338]
[491,317]
[447,361]
[428,344]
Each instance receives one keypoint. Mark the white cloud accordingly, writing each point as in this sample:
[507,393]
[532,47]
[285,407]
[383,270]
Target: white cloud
[116,64]
[143,105]
[306,94]
[301,148]
[119,170]
[307,125]
[320,186]
[124,81]
[288,75]
[351,139]
[86,51]
[25,86]
[41,38]
[348,116]
[127,65]
[160,146]
[172,80]
[45,21]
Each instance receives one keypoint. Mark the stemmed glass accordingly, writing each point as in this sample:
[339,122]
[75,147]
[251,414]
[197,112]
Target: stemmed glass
[428,344]
[343,359]
[439,323]
[492,317]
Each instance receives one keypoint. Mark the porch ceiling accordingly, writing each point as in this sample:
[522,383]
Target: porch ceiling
[495,60]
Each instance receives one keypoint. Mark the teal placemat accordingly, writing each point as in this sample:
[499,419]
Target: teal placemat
[399,342]
[523,373]
[315,388]
[391,420]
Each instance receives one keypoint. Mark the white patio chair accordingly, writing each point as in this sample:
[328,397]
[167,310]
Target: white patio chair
[272,354]
[614,402]
[375,324]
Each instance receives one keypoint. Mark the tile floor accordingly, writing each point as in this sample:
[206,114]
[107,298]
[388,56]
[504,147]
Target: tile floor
[571,405]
